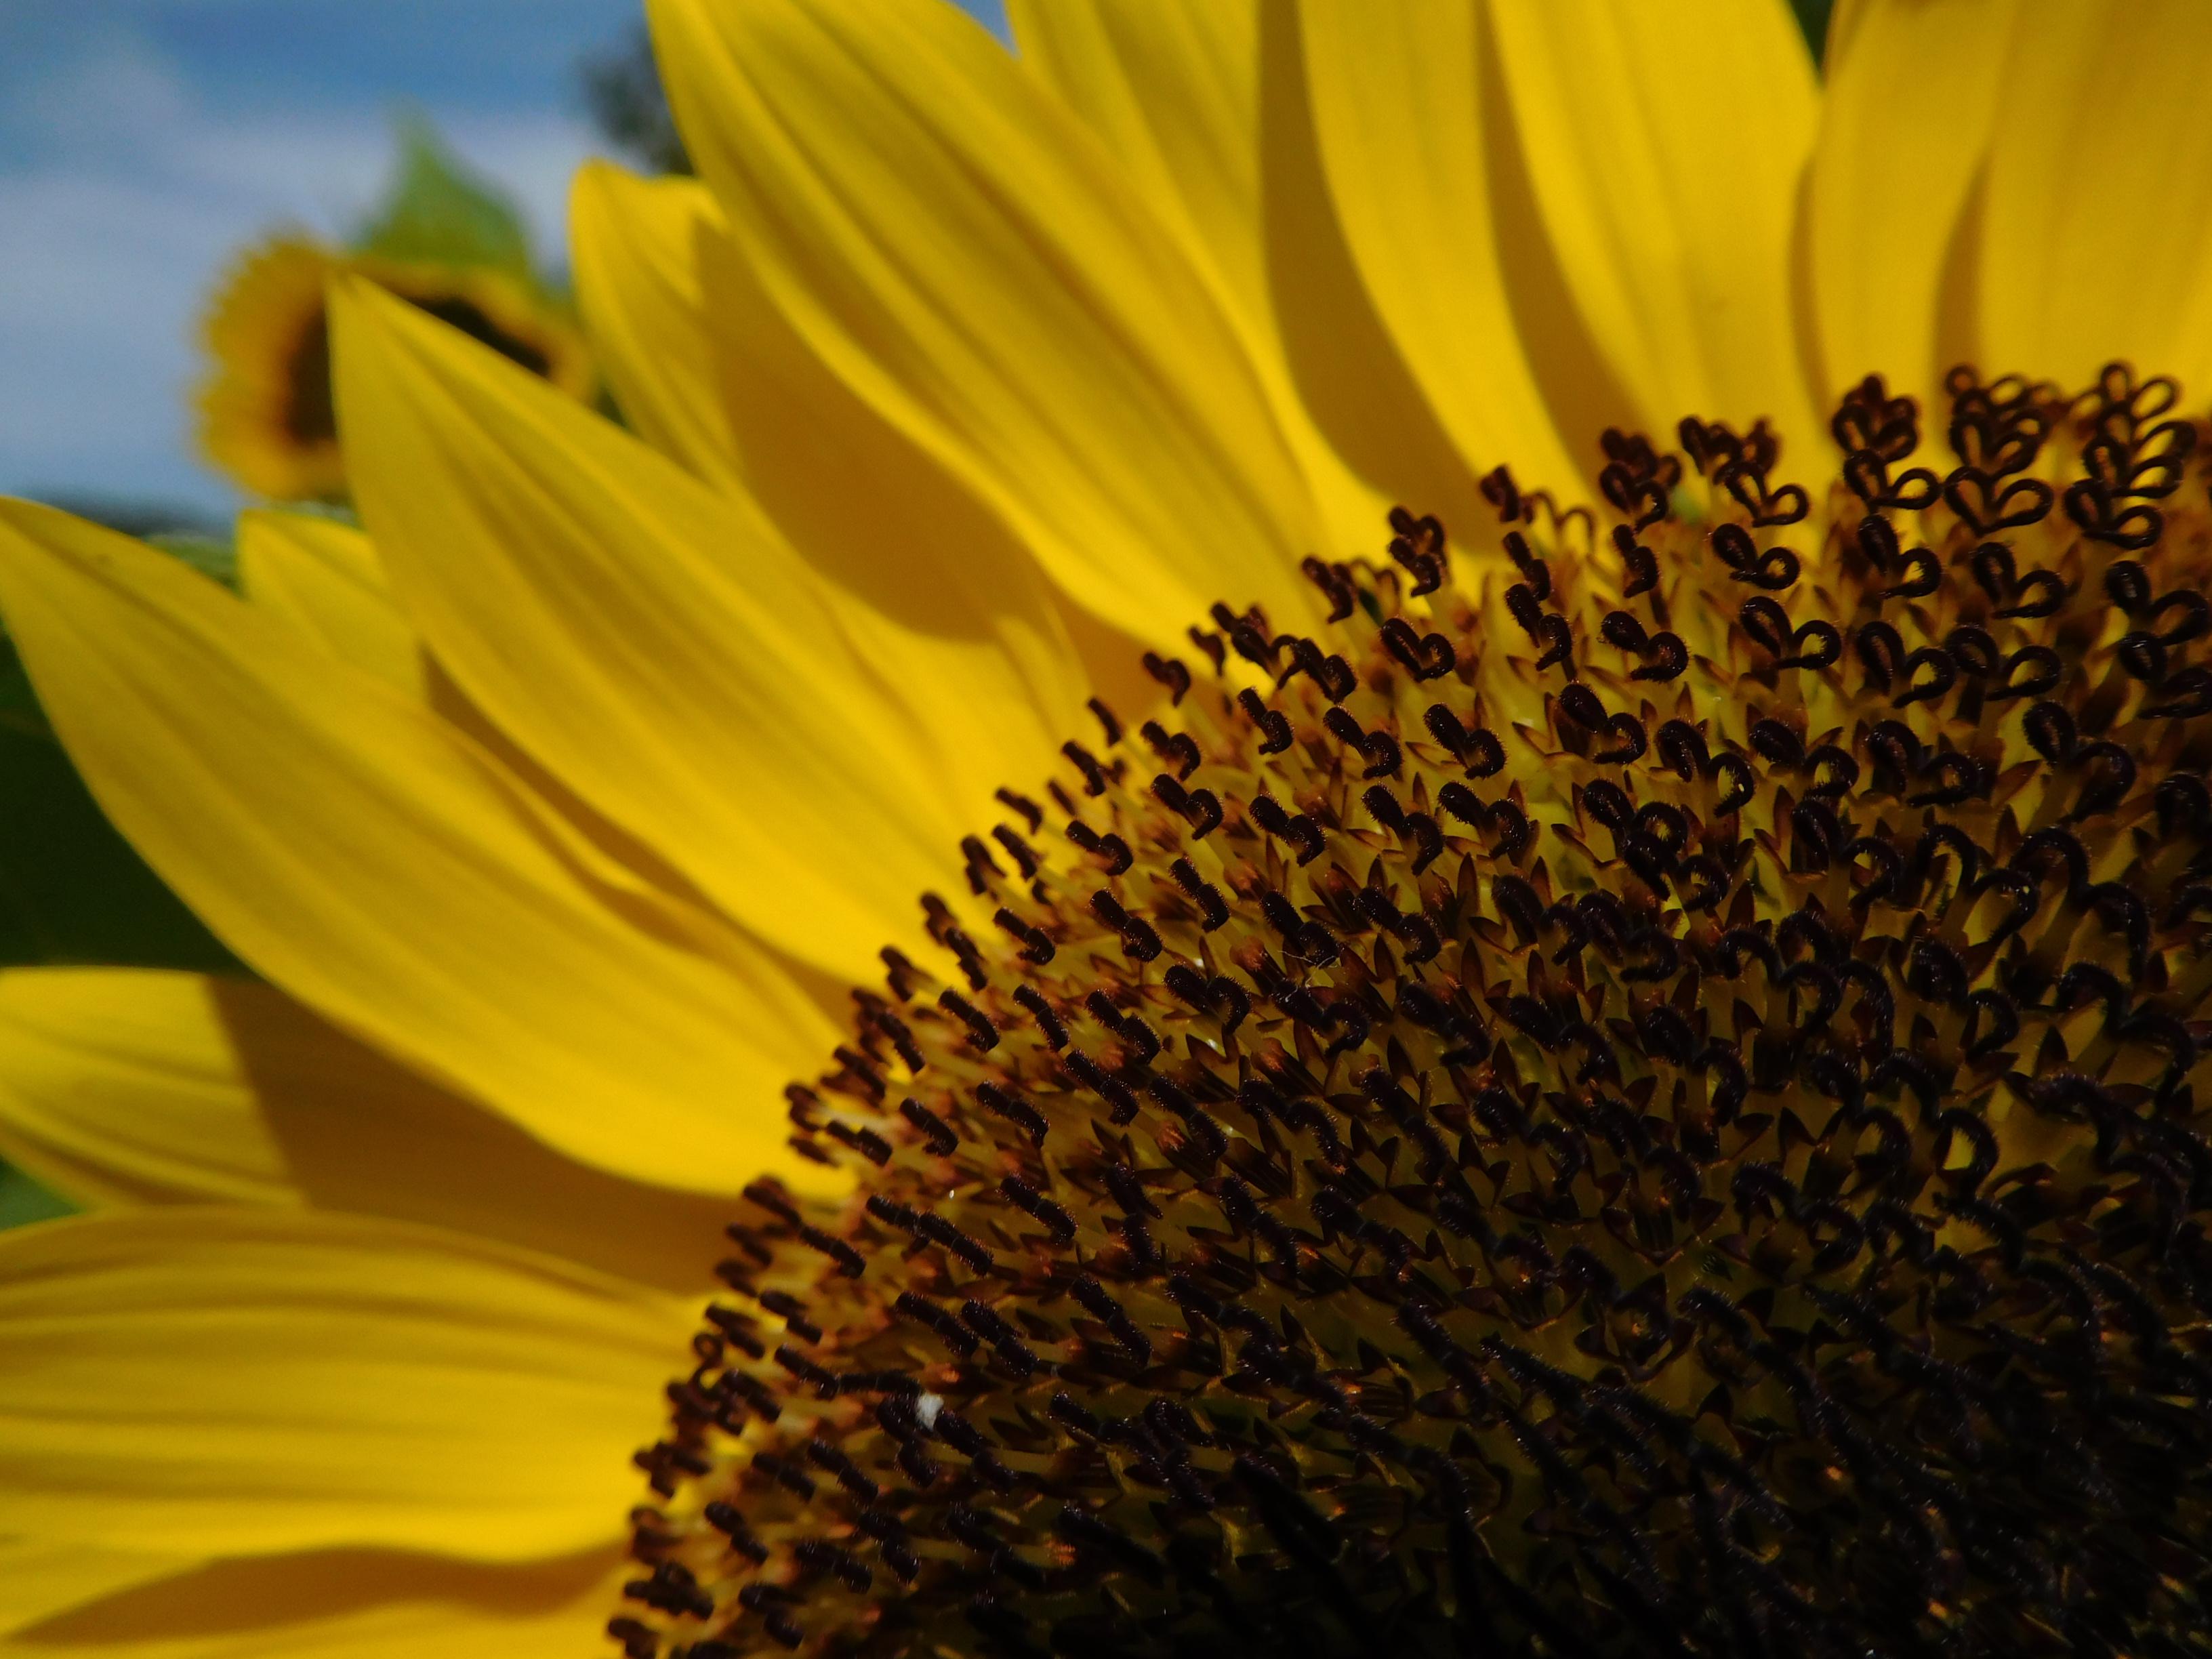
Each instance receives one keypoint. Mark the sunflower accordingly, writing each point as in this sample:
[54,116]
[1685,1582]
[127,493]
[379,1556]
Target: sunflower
[1559,970]
[266,417]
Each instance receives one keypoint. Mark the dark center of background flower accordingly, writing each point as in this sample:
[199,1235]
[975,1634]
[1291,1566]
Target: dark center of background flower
[1636,1102]
[311,413]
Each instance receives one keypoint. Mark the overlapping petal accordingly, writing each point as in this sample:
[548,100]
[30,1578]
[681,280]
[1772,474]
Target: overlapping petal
[1205,109]
[362,853]
[1675,237]
[254,1381]
[633,244]
[115,1088]
[945,239]
[130,1087]
[1407,106]
[950,619]
[1892,204]
[343,1604]
[322,576]
[2097,224]
[655,644]
[41,1577]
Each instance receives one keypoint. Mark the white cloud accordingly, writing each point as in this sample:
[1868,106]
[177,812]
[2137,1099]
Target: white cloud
[110,95]
[131,195]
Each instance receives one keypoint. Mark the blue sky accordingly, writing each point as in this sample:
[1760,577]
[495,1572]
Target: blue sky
[141,142]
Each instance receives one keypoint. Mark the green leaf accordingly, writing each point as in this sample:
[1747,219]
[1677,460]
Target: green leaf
[71,889]
[439,212]
[1813,17]
[23,1201]
[211,555]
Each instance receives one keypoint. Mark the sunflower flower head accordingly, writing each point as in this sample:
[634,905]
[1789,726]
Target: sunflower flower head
[1626,1092]
[1603,1062]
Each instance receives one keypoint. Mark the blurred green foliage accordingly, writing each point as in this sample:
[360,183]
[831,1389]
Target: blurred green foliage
[439,212]
[622,91]
[71,889]
[22,1200]
[1813,17]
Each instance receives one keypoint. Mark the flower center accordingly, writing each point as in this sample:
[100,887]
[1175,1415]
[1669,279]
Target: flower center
[1624,1095]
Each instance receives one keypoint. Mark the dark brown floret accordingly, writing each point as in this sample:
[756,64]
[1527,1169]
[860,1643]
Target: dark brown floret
[1633,1095]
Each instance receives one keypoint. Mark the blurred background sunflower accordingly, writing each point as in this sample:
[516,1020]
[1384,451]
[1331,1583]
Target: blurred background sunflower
[446,242]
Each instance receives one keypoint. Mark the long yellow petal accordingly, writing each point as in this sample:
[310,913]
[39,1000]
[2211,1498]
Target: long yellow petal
[345,1604]
[657,646]
[1905,127]
[115,1088]
[125,1086]
[1409,115]
[323,577]
[362,853]
[1678,259]
[41,1577]
[956,623]
[255,1381]
[1204,109]
[959,252]
[632,244]
[2097,227]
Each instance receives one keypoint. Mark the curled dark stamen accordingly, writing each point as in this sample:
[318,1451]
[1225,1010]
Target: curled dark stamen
[1334,580]
[1943,675]
[1116,851]
[1178,750]
[1274,727]
[1674,657]
[2030,671]
[1301,831]
[981,1031]
[1426,657]
[1682,746]
[1774,569]
[1638,561]
[1743,782]
[1475,749]
[2104,792]
[1138,939]
[1170,673]
[1094,774]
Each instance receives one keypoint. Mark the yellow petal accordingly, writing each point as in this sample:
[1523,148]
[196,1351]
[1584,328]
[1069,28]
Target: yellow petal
[1409,115]
[658,647]
[322,576]
[125,1086]
[1204,109]
[955,623]
[1173,92]
[1904,126]
[41,1577]
[255,1381]
[115,1088]
[631,243]
[1679,260]
[955,249]
[346,1604]
[361,853]
[2099,220]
